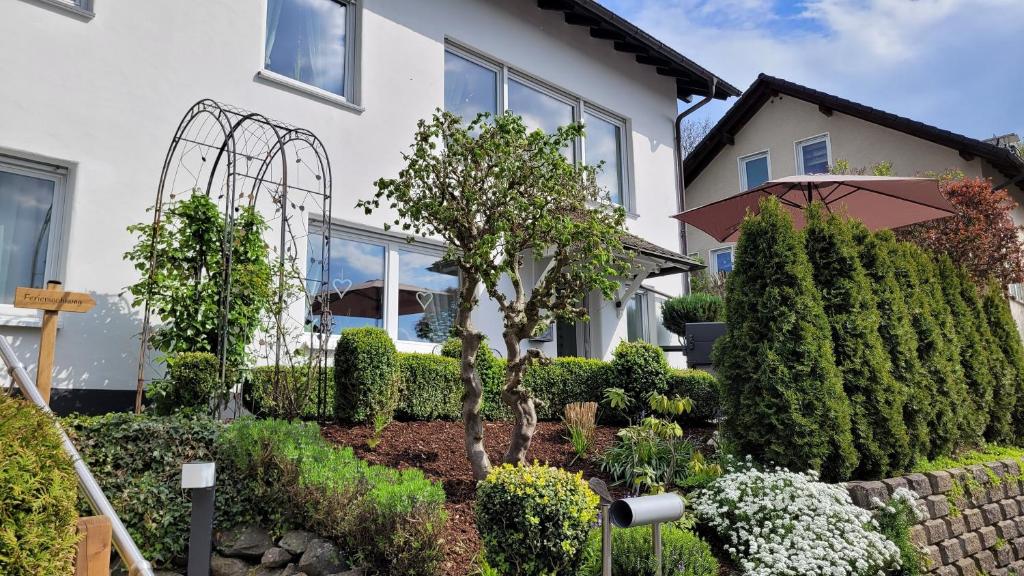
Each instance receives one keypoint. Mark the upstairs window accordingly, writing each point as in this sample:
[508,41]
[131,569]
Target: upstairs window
[814,155]
[475,84]
[754,170]
[721,260]
[310,41]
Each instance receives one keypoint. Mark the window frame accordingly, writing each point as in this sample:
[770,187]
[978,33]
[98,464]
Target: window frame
[741,163]
[798,150]
[644,311]
[352,97]
[713,262]
[56,248]
[393,243]
[581,106]
[83,9]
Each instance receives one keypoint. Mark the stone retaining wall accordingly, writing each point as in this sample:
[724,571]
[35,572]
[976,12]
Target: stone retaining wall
[973,517]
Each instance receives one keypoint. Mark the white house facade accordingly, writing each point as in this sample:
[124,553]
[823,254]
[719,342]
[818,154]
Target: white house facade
[95,89]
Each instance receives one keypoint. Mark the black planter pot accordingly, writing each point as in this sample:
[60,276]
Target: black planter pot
[700,338]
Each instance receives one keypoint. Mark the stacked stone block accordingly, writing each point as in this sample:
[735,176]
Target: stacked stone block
[973,517]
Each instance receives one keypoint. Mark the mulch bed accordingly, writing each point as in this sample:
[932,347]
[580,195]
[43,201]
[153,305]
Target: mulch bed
[437,448]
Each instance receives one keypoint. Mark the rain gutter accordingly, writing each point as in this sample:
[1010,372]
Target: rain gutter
[680,180]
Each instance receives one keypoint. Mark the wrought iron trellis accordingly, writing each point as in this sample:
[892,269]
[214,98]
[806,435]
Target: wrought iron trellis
[239,157]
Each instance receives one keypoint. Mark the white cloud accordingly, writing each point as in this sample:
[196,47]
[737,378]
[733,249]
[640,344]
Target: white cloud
[952,63]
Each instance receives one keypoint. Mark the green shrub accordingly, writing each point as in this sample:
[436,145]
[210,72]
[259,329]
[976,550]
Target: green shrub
[894,522]
[1009,395]
[365,376]
[697,307]
[192,385]
[37,494]
[640,369]
[534,520]
[701,388]
[137,461]
[564,381]
[876,398]
[287,392]
[975,362]
[937,347]
[897,331]
[783,399]
[683,553]
[390,518]
[431,388]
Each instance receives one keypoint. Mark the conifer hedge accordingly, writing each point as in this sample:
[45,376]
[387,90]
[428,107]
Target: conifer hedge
[782,395]
[1010,396]
[897,332]
[876,399]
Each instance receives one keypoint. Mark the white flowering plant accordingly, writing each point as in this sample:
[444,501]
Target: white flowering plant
[782,523]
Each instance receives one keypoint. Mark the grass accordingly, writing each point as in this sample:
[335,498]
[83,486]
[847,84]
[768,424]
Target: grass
[989,453]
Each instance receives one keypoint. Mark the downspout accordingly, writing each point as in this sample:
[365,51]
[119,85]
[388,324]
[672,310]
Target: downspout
[680,180]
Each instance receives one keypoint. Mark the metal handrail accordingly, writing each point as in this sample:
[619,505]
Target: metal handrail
[137,564]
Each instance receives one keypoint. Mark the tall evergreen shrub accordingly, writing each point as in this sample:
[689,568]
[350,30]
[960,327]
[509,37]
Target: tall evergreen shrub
[1010,397]
[877,253]
[783,399]
[876,399]
[974,356]
[936,346]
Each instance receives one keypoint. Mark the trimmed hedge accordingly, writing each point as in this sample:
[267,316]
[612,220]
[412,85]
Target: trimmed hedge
[38,489]
[697,307]
[365,376]
[192,384]
[683,553]
[286,392]
[701,388]
[640,369]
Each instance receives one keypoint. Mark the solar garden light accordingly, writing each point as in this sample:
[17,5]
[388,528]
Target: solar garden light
[643,511]
[200,478]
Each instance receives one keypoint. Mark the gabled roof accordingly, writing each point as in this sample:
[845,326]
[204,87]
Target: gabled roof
[766,87]
[691,79]
[669,262]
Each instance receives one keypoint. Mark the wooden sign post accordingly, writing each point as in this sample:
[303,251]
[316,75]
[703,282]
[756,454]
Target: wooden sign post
[52,301]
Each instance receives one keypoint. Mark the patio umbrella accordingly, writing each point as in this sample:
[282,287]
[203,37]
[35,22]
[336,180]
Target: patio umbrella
[880,202]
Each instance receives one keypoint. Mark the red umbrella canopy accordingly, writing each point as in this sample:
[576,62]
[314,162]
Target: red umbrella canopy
[880,202]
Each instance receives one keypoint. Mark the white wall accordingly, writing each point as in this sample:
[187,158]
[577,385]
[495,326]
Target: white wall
[103,97]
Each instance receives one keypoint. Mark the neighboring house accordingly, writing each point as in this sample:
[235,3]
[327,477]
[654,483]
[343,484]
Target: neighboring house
[779,128]
[94,93]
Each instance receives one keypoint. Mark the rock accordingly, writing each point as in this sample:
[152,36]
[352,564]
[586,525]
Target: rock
[321,558]
[221,566]
[352,572]
[265,571]
[275,558]
[244,542]
[292,570]
[295,541]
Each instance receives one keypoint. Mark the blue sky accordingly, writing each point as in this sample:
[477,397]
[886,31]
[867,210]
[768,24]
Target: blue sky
[956,64]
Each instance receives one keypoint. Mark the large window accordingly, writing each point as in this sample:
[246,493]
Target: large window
[721,260]
[381,281]
[636,318]
[474,84]
[31,207]
[754,170]
[311,41]
[813,156]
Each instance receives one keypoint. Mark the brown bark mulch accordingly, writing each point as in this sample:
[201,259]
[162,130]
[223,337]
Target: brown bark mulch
[437,448]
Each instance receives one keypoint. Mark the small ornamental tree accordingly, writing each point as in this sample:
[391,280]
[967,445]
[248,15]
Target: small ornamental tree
[1010,398]
[876,399]
[974,356]
[782,395]
[936,346]
[897,332]
[500,196]
[981,236]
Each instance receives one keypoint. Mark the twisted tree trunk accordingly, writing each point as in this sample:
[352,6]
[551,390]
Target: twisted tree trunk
[520,402]
[472,384]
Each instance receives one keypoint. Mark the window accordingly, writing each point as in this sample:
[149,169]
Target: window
[754,170]
[310,42]
[82,8]
[604,144]
[721,260]
[814,155]
[31,210]
[636,317]
[665,338]
[1017,291]
[473,84]
[381,281]
[470,88]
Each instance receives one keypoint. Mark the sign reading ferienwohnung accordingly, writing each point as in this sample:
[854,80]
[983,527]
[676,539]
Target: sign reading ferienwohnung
[53,300]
